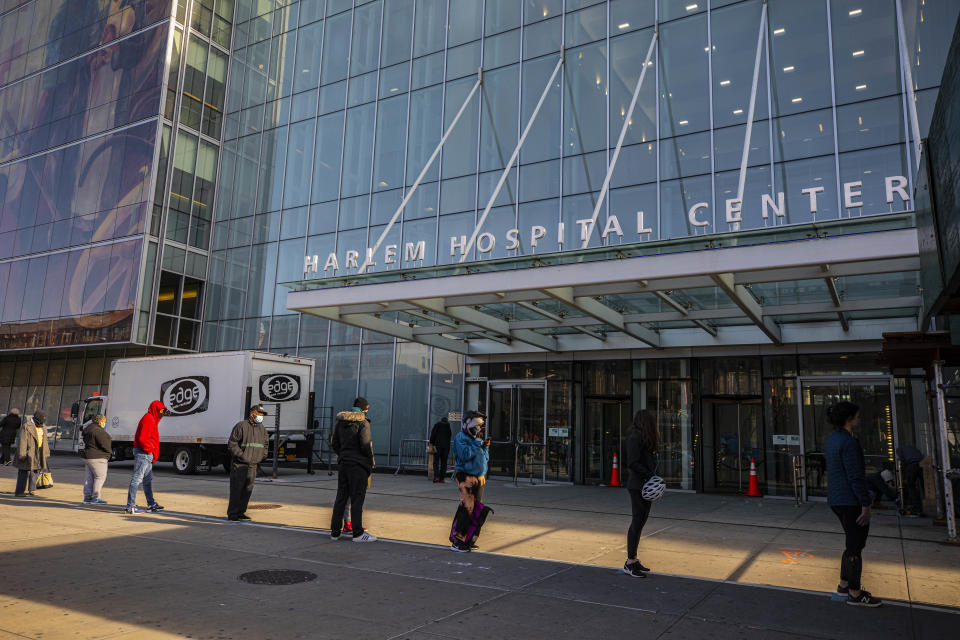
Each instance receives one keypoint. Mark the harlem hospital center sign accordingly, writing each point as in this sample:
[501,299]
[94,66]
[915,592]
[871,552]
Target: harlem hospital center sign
[412,252]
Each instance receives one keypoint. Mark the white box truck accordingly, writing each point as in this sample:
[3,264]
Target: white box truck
[205,395]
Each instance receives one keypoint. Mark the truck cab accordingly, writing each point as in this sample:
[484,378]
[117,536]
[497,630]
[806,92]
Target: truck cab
[82,413]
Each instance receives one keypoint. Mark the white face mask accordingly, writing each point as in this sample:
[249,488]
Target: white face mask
[258,419]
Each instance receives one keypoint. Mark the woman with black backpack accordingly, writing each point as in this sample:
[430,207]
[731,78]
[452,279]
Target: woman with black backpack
[643,484]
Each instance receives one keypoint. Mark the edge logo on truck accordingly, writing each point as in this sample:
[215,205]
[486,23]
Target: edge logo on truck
[185,396]
[279,387]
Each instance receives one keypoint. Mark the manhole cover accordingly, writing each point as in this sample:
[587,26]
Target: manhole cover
[278,576]
[263,506]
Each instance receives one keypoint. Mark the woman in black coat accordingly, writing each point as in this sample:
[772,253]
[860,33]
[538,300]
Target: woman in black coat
[642,463]
[9,427]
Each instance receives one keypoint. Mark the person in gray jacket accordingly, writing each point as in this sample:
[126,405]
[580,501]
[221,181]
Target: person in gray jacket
[97,449]
[248,447]
[32,453]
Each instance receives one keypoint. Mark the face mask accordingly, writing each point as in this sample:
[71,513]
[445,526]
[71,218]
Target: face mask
[258,419]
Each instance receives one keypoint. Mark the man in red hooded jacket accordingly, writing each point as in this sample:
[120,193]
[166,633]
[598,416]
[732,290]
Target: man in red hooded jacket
[146,451]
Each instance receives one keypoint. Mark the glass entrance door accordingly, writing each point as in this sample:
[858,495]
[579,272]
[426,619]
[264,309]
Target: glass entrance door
[732,437]
[876,431]
[517,423]
[606,422]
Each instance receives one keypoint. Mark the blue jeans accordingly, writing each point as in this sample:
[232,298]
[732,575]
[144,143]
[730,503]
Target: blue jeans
[142,472]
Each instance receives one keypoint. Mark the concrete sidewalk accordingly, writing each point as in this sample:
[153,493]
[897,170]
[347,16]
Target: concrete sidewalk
[50,544]
[89,572]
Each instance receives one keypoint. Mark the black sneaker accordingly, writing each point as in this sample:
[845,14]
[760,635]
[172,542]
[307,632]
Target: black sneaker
[154,508]
[634,570]
[242,516]
[840,594]
[864,600]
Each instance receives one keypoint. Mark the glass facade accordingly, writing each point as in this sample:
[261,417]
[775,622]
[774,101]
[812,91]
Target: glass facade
[80,85]
[166,166]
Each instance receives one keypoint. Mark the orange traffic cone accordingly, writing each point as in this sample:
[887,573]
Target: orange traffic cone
[615,473]
[753,489]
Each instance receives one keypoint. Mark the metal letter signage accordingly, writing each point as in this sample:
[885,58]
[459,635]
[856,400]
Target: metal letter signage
[699,219]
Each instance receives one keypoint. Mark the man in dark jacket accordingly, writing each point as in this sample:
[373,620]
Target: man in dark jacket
[248,447]
[440,439]
[9,427]
[354,447]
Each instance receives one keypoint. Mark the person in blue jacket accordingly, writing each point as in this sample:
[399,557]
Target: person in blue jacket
[472,452]
[849,499]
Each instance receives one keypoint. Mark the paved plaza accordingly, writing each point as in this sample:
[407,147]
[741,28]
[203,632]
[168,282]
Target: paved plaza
[723,566]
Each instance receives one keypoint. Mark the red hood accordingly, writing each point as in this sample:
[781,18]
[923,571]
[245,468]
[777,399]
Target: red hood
[155,408]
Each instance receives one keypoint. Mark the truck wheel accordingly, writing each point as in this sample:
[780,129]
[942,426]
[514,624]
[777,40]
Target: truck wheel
[185,460]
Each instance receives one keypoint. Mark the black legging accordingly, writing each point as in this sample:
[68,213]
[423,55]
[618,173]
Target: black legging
[641,511]
[851,565]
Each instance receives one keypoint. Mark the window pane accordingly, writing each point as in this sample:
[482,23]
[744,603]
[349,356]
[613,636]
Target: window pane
[803,135]
[683,77]
[677,197]
[326,166]
[397,32]
[543,140]
[459,157]
[871,167]
[296,191]
[307,74]
[501,15]
[430,26]
[735,31]
[190,105]
[819,175]
[498,125]
[336,45]
[870,124]
[584,100]
[358,150]
[391,142]
[366,38]
[864,49]
[801,56]
[466,19]
[626,63]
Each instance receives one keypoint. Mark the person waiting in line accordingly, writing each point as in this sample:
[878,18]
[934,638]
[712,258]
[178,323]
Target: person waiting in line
[880,485]
[641,461]
[912,476]
[146,451]
[440,439]
[247,444]
[353,445]
[849,499]
[9,427]
[97,450]
[33,451]
[472,452]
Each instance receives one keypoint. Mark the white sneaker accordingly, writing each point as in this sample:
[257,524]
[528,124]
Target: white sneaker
[365,537]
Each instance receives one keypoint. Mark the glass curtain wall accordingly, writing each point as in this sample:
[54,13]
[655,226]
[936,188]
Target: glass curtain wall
[333,107]
[182,221]
[80,87]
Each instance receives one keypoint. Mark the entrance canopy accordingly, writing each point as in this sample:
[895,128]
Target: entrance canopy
[796,285]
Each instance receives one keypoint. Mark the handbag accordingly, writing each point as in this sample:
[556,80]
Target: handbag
[45,480]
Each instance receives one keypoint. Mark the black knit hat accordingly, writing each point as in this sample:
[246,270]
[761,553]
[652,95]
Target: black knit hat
[361,403]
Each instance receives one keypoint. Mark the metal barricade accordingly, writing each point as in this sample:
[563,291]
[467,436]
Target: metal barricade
[412,455]
[527,457]
[798,479]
